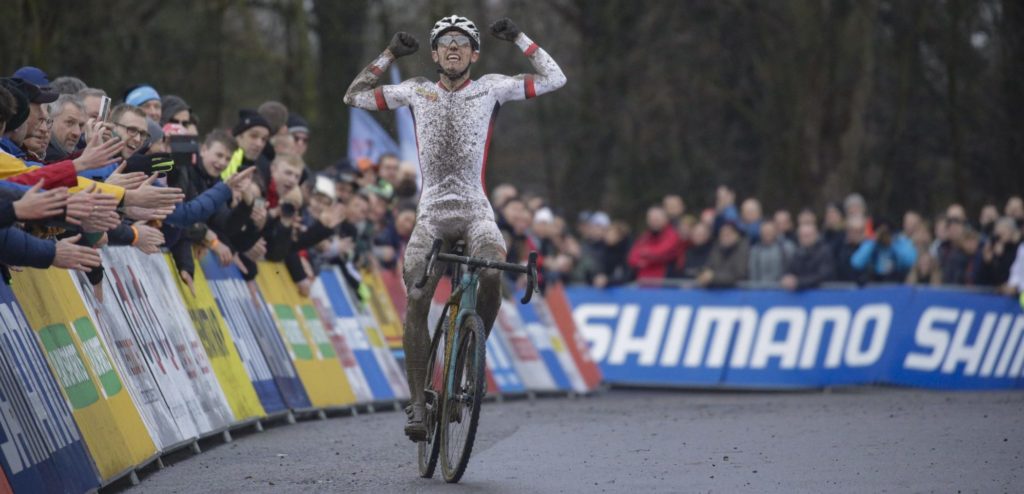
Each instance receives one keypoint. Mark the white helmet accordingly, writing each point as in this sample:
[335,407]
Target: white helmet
[457,23]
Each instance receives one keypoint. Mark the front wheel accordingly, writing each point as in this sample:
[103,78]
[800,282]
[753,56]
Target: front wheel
[465,378]
[429,449]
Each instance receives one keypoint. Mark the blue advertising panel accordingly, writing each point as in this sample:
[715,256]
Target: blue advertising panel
[41,449]
[360,346]
[777,339]
[245,310]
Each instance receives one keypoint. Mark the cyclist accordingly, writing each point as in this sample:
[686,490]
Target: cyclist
[454,119]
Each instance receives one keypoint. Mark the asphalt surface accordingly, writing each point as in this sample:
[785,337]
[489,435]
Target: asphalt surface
[860,440]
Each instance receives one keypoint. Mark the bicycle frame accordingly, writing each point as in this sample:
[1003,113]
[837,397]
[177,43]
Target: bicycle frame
[465,293]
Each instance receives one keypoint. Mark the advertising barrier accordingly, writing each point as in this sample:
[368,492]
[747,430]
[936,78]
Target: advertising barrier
[314,357]
[383,309]
[156,281]
[110,425]
[245,310]
[40,447]
[224,348]
[341,330]
[773,339]
[133,363]
[385,358]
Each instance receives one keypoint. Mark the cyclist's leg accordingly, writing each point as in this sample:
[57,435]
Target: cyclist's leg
[416,339]
[483,239]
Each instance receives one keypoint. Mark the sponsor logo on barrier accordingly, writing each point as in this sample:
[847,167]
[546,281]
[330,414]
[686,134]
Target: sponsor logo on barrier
[206,326]
[996,349]
[98,358]
[293,333]
[316,330]
[21,444]
[68,366]
[689,336]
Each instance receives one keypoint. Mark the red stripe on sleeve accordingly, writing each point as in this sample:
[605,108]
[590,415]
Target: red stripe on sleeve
[531,90]
[530,49]
[382,104]
[376,70]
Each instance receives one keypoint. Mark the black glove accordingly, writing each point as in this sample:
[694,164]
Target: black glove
[403,44]
[505,29]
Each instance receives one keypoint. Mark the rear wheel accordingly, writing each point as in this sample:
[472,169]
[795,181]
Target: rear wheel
[465,377]
[428,450]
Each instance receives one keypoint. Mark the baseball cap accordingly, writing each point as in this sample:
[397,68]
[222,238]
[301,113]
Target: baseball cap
[36,77]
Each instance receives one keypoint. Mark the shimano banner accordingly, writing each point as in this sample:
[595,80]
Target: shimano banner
[774,339]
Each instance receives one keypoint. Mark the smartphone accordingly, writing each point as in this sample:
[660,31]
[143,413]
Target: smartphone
[259,203]
[104,114]
[184,144]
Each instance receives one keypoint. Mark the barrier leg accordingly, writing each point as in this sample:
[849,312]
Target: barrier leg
[227,436]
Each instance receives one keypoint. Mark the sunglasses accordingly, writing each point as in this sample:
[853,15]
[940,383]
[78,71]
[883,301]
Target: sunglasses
[183,123]
[459,39]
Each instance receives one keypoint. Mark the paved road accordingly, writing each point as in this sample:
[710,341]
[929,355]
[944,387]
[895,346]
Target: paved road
[864,440]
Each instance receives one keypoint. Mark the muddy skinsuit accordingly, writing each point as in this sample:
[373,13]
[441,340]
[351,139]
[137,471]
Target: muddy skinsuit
[453,132]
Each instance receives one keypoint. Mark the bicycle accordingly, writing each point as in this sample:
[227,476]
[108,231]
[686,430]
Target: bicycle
[455,389]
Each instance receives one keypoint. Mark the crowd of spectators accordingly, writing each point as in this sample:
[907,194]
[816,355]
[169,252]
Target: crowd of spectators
[728,246]
[148,173]
[80,170]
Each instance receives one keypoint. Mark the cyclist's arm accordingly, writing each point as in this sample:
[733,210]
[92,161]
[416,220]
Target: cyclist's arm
[363,94]
[549,76]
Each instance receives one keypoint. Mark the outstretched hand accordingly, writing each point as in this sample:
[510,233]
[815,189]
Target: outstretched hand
[505,29]
[403,44]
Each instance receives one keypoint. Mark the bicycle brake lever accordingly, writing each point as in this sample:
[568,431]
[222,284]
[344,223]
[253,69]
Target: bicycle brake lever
[434,250]
[531,278]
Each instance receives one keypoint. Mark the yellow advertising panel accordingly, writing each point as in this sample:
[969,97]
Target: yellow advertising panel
[316,362]
[111,426]
[220,349]
[383,308]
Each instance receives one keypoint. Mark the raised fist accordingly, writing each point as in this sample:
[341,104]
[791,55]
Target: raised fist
[403,44]
[505,29]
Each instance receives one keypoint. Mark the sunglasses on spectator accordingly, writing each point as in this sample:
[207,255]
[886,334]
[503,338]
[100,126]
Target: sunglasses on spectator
[458,39]
[134,131]
[183,123]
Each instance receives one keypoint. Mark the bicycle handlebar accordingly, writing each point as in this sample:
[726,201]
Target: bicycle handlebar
[530,270]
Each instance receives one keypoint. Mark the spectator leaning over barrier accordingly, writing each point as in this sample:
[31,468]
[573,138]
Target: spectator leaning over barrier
[1015,283]
[592,248]
[727,263]
[952,257]
[252,132]
[699,250]
[925,271]
[770,256]
[674,207]
[885,258]
[725,207]
[145,98]
[812,262]
[656,249]
[750,219]
[833,230]
[299,130]
[784,223]
[853,237]
[91,97]
[1015,209]
[855,205]
[68,115]
[68,85]
[987,220]
[999,252]
[174,110]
